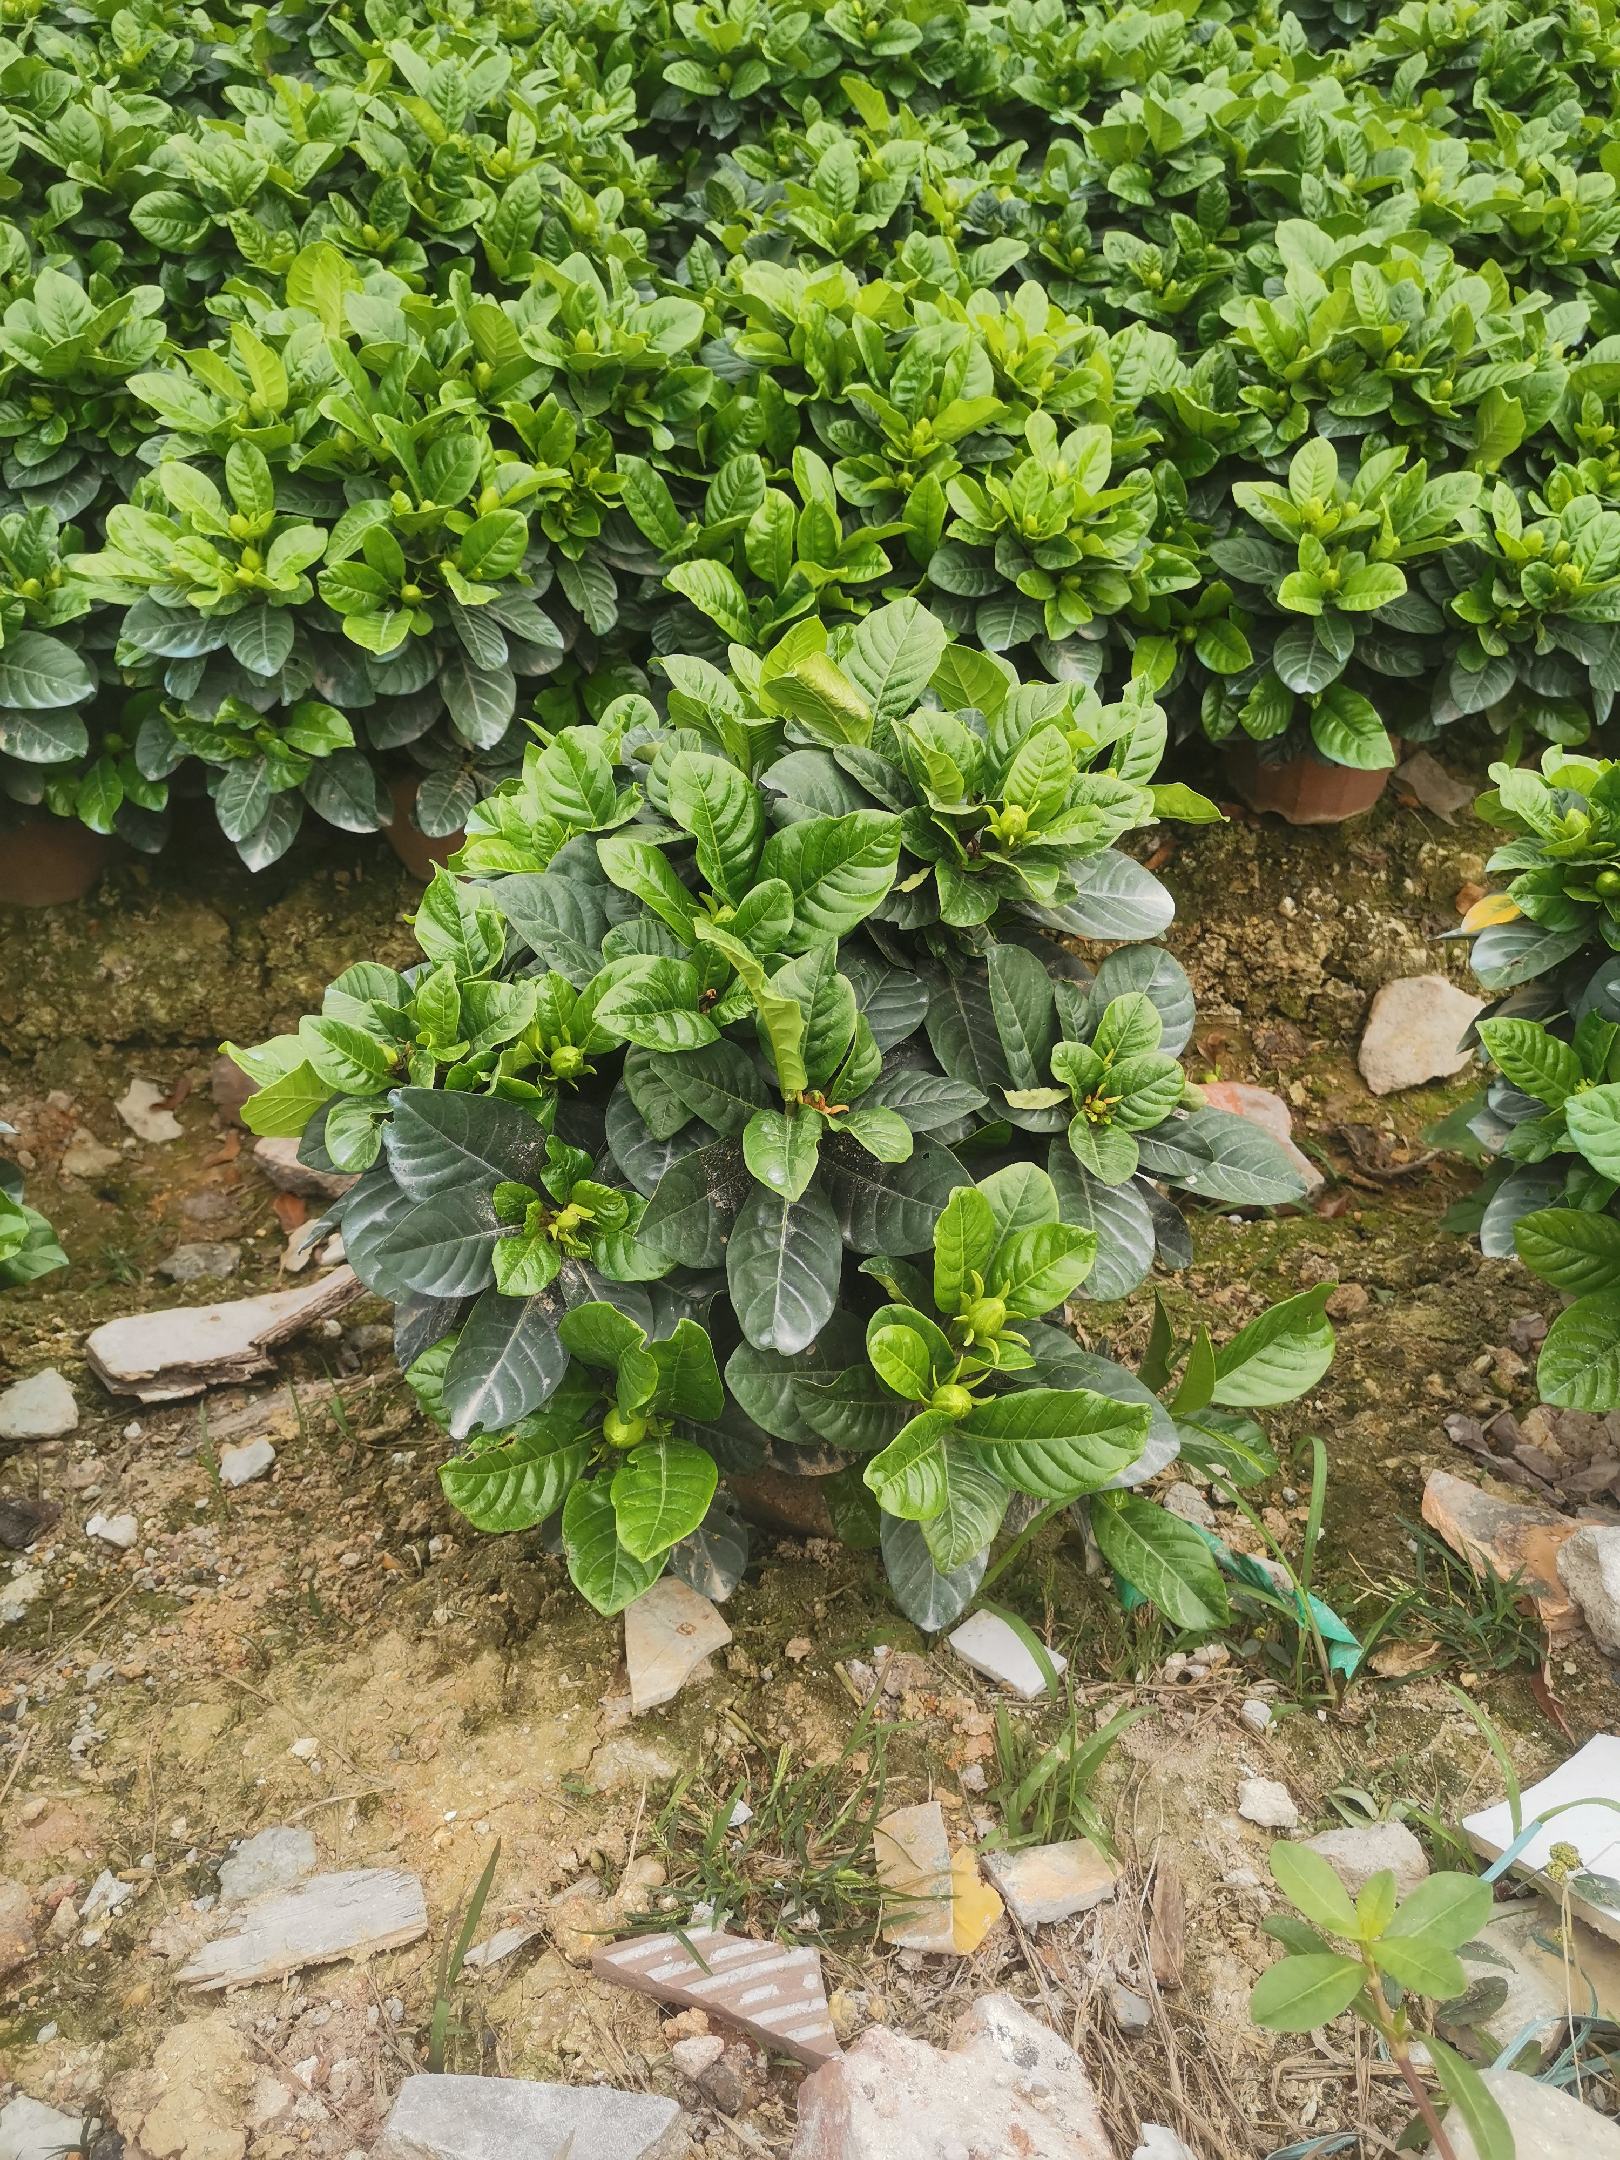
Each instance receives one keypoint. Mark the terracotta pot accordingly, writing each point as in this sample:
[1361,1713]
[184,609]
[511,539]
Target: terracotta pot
[416,850]
[45,861]
[1304,789]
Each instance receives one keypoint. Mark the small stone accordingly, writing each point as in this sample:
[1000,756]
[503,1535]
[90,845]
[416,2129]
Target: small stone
[1255,1715]
[1589,1569]
[1259,1106]
[273,1859]
[1349,1301]
[913,1851]
[1160,2143]
[1544,2123]
[624,1761]
[1362,1850]
[1266,1802]
[1189,1503]
[731,2084]
[502,1944]
[1047,1883]
[1414,1033]
[87,1157]
[668,1632]
[201,1261]
[278,1159]
[354,1913]
[485,2118]
[305,1748]
[42,1407]
[118,1530]
[990,1646]
[23,1521]
[692,2057]
[1132,2013]
[138,1106]
[241,1465]
[29,2130]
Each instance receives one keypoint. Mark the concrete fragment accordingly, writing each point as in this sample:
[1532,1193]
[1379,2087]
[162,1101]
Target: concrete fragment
[278,1159]
[913,1851]
[776,1996]
[1006,2085]
[1047,1883]
[1510,1537]
[991,1647]
[1589,1569]
[201,1260]
[352,1914]
[138,1107]
[241,1465]
[42,1407]
[164,1356]
[1545,2123]
[1267,1110]
[482,2118]
[273,1859]
[1268,1803]
[1413,1033]
[29,2130]
[120,1531]
[668,1632]
[1362,1850]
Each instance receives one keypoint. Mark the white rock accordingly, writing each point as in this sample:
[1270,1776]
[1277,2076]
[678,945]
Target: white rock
[483,2118]
[1189,1503]
[1545,2123]
[692,2057]
[29,2130]
[1589,1569]
[1158,2143]
[351,1914]
[304,1749]
[107,1895]
[273,1859]
[500,1945]
[1132,2013]
[668,1632]
[1362,1850]
[138,1107]
[16,1596]
[42,1407]
[990,1646]
[241,1465]
[165,1356]
[278,1159]
[1414,1031]
[119,1530]
[1262,1800]
[1256,1715]
[87,1157]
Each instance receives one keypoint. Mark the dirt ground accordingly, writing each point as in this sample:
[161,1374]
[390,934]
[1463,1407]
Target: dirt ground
[457,1693]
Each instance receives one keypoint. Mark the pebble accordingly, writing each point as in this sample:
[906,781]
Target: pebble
[87,1157]
[1256,1715]
[1132,2013]
[200,1261]
[1360,1851]
[42,1407]
[1189,1503]
[272,1859]
[1266,1802]
[138,1107]
[107,1894]
[118,1530]
[241,1465]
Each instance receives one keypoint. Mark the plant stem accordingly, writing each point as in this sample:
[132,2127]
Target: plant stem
[1394,2039]
[1019,1542]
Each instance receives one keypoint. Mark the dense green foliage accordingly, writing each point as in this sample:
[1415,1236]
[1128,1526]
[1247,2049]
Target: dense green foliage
[751,1106]
[28,1244]
[376,380]
[1548,947]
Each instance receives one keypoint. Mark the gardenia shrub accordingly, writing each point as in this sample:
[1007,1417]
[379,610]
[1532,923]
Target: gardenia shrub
[1548,947]
[750,1106]
[372,385]
[28,1244]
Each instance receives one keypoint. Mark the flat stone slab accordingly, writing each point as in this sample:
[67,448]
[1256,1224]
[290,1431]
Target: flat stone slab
[166,1356]
[1586,1790]
[1360,1851]
[1510,1537]
[991,1647]
[1047,1883]
[913,1850]
[29,2130]
[482,2118]
[1546,2123]
[352,1914]
[668,1631]
[776,1996]
[42,1407]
